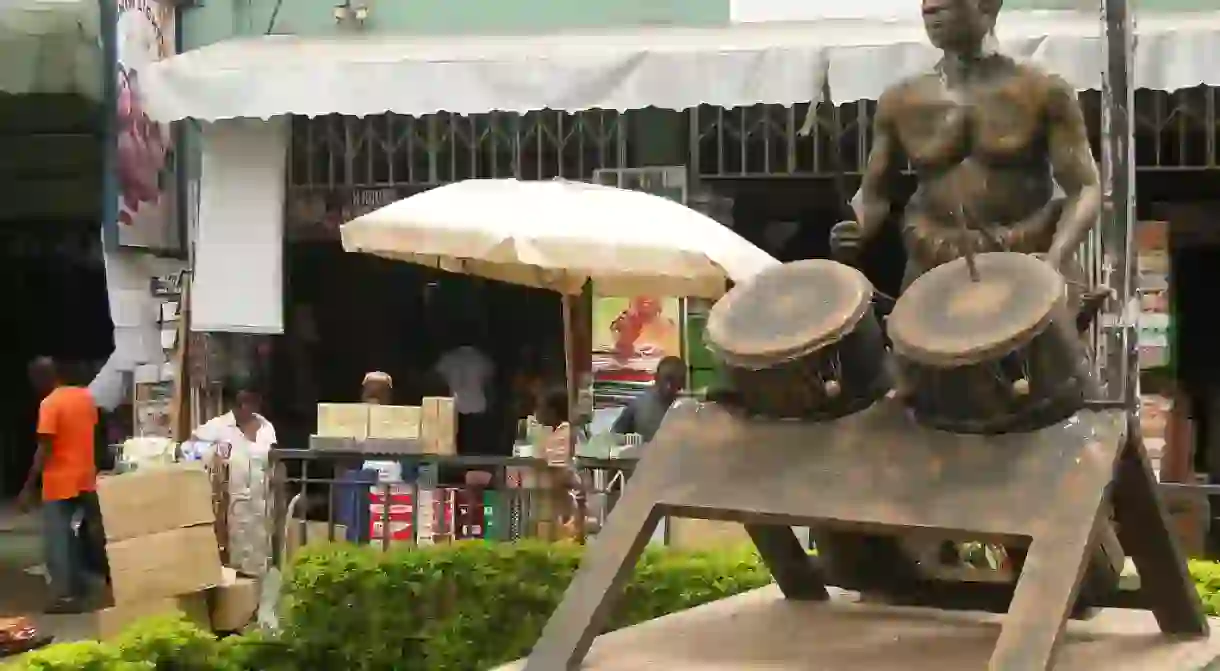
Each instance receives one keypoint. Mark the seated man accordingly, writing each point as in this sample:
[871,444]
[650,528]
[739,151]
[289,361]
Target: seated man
[644,414]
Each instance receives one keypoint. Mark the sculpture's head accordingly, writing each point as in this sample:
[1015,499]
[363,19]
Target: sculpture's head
[960,25]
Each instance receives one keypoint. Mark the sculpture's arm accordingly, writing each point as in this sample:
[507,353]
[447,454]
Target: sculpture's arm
[1074,170]
[872,202]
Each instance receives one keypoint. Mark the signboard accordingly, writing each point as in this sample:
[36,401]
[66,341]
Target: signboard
[316,214]
[1152,265]
[145,157]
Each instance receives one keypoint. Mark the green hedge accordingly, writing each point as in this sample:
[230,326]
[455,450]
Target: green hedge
[463,607]
[460,607]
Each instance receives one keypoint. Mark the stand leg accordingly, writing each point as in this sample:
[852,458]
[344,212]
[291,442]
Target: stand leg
[792,567]
[867,563]
[1165,585]
[585,610]
[1046,592]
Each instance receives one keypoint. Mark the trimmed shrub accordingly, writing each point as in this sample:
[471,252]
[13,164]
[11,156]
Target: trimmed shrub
[79,656]
[460,607]
[1206,576]
[473,605]
[465,607]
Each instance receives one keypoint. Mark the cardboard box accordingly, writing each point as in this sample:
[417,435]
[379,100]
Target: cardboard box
[427,424]
[446,422]
[469,519]
[311,533]
[395,422]
[438,430]
[343,420]
[110,622]
[234,602]
[167,564]
[151,501]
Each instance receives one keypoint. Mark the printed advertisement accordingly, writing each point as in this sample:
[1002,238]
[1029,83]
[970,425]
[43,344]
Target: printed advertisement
[147,182]
[632,334]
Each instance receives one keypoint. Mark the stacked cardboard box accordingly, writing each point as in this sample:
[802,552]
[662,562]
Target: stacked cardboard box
[429,428]
[438,425]
[160,544]
[234,602]
[343,420]
[395,422]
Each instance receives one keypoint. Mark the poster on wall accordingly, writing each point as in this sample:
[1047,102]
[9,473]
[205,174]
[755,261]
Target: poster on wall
[147,181]
[631,334]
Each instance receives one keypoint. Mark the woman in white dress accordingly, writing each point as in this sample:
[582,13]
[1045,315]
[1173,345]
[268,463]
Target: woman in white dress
[241,440]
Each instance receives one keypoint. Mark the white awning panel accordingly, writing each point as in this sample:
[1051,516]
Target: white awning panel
[673,68]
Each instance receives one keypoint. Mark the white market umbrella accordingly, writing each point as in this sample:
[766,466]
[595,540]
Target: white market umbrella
[560,235]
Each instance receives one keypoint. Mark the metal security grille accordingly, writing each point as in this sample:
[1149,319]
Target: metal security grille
[1174,131]
[338,151]
[765,140]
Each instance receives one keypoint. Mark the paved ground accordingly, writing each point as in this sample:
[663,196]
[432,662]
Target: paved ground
[24,592]
[760,631]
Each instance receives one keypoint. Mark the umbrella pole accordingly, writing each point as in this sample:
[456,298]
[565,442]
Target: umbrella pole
[569,355]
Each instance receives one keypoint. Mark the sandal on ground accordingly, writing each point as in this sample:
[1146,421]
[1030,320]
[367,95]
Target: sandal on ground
[19,635]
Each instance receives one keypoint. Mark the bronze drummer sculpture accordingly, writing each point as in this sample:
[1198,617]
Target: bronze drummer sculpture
[989,364]
[988,139]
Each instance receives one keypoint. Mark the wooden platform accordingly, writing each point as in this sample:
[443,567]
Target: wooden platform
[761,631]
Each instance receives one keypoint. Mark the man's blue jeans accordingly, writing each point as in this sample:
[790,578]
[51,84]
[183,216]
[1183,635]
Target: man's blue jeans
[74,544]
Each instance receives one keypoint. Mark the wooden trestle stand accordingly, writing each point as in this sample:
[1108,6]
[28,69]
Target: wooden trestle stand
[876,471]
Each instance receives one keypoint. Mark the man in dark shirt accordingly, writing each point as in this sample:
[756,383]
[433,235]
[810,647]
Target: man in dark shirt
[644,414]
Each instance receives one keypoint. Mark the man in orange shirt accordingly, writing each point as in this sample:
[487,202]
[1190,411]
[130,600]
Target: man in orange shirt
[64,466]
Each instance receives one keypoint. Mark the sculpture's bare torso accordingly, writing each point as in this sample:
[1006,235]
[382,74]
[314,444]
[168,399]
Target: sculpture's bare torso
[979,152]
[988,138]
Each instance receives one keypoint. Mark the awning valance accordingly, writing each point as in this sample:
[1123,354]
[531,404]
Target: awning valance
[672,68]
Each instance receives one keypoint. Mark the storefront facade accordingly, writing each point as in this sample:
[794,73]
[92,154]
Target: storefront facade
[75,298]
[716,88]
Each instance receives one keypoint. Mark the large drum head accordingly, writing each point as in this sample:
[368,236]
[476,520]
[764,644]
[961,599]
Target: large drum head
[946,319]
[788,311]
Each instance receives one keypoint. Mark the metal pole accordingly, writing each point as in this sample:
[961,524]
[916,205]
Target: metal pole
[1118,199]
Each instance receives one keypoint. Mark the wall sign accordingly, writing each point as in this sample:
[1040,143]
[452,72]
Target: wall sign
[147,179]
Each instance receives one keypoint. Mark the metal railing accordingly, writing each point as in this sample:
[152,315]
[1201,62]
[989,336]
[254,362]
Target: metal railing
[329,495]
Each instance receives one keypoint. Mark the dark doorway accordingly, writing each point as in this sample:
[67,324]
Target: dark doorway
[51,265]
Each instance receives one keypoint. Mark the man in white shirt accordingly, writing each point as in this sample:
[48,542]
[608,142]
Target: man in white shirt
[469,373]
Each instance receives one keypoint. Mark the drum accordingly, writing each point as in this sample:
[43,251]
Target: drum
[990,356]
[801,341]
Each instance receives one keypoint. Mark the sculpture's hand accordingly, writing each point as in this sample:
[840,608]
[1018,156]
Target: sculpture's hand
[846,240]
